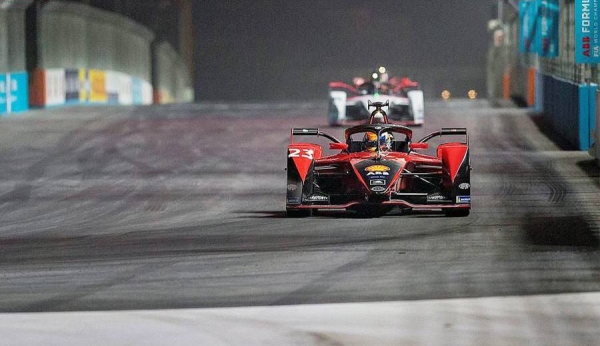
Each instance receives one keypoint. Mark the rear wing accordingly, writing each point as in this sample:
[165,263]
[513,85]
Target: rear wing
[311,132]
[448,131]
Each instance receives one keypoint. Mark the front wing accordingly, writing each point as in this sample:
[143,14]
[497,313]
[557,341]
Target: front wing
[465,203]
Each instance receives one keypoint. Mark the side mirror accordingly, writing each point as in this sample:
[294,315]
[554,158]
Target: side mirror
[338,146]
[419,145]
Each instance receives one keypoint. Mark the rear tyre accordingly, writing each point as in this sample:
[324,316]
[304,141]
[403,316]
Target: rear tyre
[297,213]
[458,212]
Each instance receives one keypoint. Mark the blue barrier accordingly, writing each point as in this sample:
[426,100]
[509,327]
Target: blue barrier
[14,92]
[570,110]
[539,95]
[18,92]
[3,95]
[592,90]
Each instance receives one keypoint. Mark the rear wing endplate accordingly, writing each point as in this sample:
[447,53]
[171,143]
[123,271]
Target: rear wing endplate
[311,132]
[448,131]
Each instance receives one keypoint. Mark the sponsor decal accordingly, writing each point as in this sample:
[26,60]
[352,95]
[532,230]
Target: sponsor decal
[98,86]
[377,182]
[587,31]
[539,24]
[464,186]
[377,168]
[292,187]
[293,200]
[378,189]
[377,174]
[317,198]
[463,199]
[435,198]
[305,153]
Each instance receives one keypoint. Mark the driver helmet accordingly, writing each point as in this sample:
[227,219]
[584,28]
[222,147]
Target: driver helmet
[370,141]
[385,141]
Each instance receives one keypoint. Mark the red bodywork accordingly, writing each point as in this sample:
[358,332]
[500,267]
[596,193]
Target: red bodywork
[391,175]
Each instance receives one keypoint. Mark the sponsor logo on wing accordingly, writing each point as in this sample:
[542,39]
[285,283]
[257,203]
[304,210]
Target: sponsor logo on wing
[377,182]
[378,189]
[377,168]
[435,197]
[377,171]
[464,186]
[322,168]
[317,198]
[293,200]
[463,199]
[378,174]
[292,187]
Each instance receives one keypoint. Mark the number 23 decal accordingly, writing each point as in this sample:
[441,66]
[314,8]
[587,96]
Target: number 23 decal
[306,153]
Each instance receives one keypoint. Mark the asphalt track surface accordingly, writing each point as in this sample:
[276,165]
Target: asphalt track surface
[108,208]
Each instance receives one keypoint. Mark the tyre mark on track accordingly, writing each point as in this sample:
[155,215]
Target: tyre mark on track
[74,293]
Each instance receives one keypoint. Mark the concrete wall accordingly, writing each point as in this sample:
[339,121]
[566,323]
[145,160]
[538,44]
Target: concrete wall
[77,36]
[172,79]
[88,55]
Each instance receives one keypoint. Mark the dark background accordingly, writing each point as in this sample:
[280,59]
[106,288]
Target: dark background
[290,50]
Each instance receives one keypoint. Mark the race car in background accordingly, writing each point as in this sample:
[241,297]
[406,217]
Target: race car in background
[349,103]
[378,167]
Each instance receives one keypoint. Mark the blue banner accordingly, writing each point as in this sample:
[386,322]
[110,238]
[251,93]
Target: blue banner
[587,33]
[18,92]
[528,15]
[548,28]
[539,27]
[3,96]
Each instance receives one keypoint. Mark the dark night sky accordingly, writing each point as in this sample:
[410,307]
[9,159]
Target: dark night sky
[290,50]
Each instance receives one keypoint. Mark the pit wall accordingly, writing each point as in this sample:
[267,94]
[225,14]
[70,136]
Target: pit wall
[58,87]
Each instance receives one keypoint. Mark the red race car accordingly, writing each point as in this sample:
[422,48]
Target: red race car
[378,168]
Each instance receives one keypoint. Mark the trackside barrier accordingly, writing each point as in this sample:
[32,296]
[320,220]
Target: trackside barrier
[592,90]
[57,87]
[595,150]
[538,92]
[13,92]
[531,86]
[570,109]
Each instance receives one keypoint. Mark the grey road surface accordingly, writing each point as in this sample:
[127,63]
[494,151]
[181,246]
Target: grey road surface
[163,207]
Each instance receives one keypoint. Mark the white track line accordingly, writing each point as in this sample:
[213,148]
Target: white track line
[565,319]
